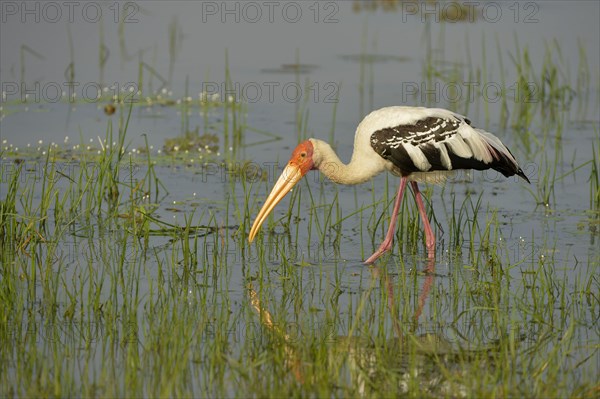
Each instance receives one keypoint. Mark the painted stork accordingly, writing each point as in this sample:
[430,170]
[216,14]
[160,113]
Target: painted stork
[418,144]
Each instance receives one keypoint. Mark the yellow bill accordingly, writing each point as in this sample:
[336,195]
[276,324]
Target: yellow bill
[300,163]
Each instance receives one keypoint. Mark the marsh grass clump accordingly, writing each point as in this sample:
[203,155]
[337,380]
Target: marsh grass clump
[15,233]
[535,95]
[594,178]
[592,221]
[192,141]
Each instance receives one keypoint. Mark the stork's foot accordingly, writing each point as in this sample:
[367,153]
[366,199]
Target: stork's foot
[385,246]
[430,254]
[430,245]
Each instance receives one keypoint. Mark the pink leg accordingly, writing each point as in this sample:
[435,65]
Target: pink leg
[389,237]
[429,236]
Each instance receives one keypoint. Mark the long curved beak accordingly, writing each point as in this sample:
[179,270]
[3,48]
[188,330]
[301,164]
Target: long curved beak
[288,179]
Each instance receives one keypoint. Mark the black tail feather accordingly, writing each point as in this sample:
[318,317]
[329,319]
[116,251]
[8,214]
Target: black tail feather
[521,174]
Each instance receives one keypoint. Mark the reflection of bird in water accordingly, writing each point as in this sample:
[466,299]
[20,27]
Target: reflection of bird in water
[417,144]
[365,366]
[426,360]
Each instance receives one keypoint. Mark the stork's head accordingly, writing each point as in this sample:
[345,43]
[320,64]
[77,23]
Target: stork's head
[299,165]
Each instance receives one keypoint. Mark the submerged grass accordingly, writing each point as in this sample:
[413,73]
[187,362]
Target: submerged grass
[594,178]
[93,273]
[144,307]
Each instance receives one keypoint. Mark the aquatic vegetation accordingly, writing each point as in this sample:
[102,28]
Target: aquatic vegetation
[192,141]
[125,268]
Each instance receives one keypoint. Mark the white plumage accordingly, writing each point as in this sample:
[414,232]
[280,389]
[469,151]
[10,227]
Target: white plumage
[416,143]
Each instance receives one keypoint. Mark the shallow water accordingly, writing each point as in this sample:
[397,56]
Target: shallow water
[514,267]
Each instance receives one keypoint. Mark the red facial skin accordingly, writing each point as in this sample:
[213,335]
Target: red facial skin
[302,157]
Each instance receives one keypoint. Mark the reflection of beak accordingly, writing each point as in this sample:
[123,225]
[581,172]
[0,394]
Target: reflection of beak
[288,179]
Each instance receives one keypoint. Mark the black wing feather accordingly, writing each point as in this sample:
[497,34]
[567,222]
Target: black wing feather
[431,137]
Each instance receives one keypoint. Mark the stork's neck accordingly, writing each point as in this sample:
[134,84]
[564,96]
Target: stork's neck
[359,170]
